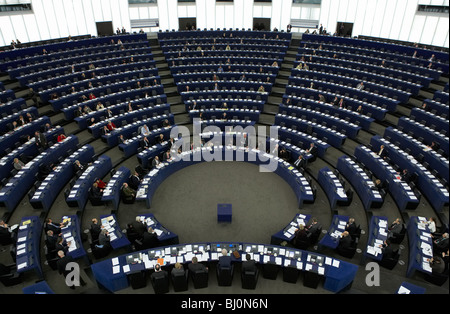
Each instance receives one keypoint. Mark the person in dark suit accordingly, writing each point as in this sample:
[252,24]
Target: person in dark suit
[5,233]
[95,229]
[145,143]
[134,181]
[313,226]
[150,239]
[387,250]
[249,264]
[395,228]
[95,193]
[437,265]
[51,240]
[300,236]
[405,176]
[40,140]
[155,162]
[196,266]
[345,242]
[382,152]
[50,225]
[300,163]
[103,238]
[441,244]
[159,273]
[351,227]
[78,166]
[62,263]
[62,245]
[313,151]
[224,260]
[139,227]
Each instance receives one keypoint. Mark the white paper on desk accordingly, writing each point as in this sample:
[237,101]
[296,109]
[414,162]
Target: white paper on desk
[180,259]
[173,259]
[112,237]
[214,256]
[299,265]
[19,252]
[336,263]
[260,248]
[342,227]
[21,246]
[126,268]
[188,256]
[328,260]
[282,252]
[403,290]
[278,260]
[288,235]
[308,267]
[321,270]
[287,262]
[266,259]
[22,239]
[115,261]
[116,269]
[167,251]
[20,266]
[371,250]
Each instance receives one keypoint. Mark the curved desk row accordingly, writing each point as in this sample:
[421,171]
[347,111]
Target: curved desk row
[125,118]
[334,138]
[112,191]
[287,233]
[112,139]
[350,129]
[373,60]
[333,187]
[65,66]
[378,113]
[19,185]
[361,182]
[399,86]
[112,274]
[350,80]
[293,177]
[100,79]
[52,185]
[417,148]
[406,77]
[377,45]
[79,193]
[436,193]
[28,243]
[420,246]
[25,151]
[73,58]
[352,92]
[8,140]
[402,193]
[225,33]
[7,120]
[29,52]
[125,84]
[390,58]
[337,227]
[120,109]
[101,68]
[302,140]
[429,119]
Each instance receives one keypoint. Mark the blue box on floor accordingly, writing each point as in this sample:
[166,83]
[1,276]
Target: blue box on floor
[224,212]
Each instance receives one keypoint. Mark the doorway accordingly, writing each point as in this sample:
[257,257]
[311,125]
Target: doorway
[104,28]
[187,23]
[261,24]
[344,29]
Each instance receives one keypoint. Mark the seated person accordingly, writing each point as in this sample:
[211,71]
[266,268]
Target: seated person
[95,193]
[300,236]
[128,192]
[345,242]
